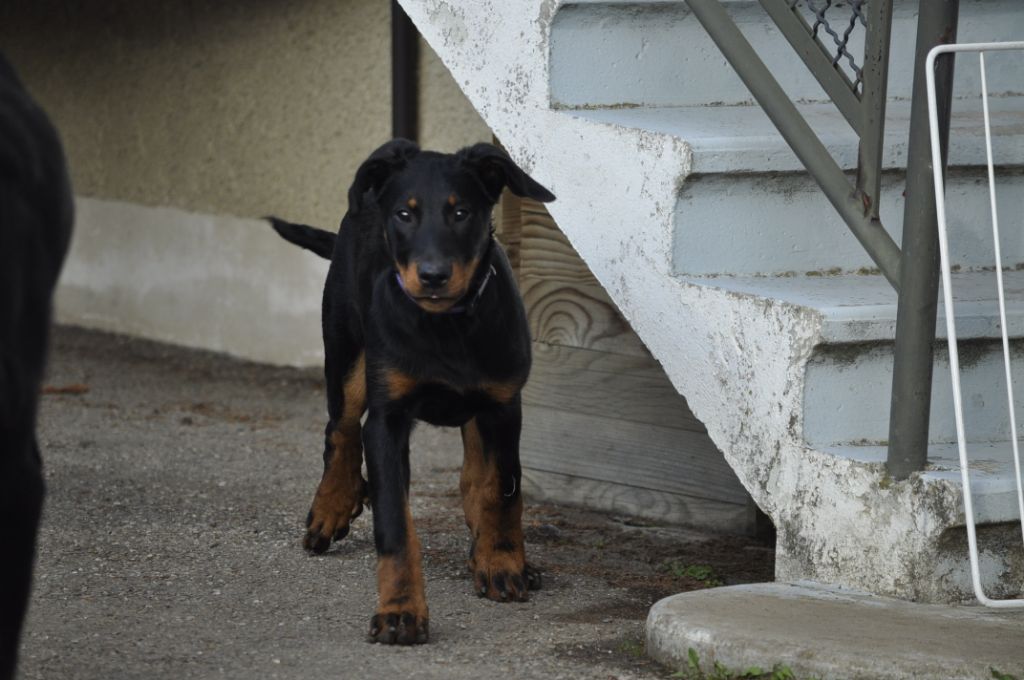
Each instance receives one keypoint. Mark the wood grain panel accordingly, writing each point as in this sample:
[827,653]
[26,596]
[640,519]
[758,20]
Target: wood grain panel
[509,228]
[577,315]
[634,454]
[547,252]
[540,486]
[613,386]
[603,426]
[565,304]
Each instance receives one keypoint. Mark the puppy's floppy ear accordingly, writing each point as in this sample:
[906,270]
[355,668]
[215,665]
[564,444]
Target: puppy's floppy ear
[378,168]
[496,170]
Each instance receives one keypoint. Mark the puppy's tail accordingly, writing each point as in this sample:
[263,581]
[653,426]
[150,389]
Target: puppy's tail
[315,240]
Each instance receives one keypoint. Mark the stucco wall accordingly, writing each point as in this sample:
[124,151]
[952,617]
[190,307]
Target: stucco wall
[238,107]
[181,116]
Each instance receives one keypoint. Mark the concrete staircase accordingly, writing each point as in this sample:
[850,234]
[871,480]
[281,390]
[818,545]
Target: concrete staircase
[741,279]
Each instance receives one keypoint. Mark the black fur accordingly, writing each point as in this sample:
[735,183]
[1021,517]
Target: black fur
[428,215]
[315,240]
[35,226]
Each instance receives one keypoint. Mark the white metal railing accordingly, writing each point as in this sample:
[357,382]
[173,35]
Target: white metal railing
[947,292]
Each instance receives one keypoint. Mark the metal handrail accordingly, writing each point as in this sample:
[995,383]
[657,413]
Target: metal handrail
[797,132]
[913,269]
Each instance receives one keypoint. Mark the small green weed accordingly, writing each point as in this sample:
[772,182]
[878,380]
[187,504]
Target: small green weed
[999,675]
[702,573]
[694,671]
[632,647]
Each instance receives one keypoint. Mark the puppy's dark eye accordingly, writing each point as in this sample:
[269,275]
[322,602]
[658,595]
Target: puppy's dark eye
[461,214]
[404,215]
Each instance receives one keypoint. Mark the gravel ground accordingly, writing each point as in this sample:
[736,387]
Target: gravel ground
[171,544]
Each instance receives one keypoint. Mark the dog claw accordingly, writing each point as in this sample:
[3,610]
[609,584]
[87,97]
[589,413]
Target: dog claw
[317,544]
[403,629]
[503,586]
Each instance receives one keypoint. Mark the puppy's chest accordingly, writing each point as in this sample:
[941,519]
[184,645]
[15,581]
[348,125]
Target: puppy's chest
[441,404]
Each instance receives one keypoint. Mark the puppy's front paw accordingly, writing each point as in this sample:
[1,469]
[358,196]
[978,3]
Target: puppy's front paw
[399,628]
[330,516]
[504,578]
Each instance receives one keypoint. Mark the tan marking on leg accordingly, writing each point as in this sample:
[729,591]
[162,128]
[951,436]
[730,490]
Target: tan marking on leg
[341,492]
[400,577]
[499,559]
[402,600]
[502,393]
[398,384]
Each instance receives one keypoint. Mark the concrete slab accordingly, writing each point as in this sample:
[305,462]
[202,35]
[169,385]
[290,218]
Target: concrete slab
[829,633]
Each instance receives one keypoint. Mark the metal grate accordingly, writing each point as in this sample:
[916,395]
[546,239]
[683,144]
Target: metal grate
[849,18]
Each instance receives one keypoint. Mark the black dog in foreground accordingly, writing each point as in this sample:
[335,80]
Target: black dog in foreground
[35,227]
[422,320]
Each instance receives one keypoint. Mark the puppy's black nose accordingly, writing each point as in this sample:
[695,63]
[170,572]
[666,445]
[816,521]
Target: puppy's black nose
[434,274]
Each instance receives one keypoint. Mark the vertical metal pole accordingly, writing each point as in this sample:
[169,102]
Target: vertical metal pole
[919,267]
[404,74]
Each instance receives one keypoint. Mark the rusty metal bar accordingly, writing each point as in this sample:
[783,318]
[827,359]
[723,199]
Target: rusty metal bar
[876,83]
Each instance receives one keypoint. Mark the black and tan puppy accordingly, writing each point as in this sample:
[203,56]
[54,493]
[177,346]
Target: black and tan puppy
[35,227]
[422,320]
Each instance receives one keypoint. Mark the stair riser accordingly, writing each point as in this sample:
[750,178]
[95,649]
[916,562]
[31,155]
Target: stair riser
[658,54]
[783,225]
[848,388]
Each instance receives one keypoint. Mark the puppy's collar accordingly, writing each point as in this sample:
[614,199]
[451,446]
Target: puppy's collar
[467,304]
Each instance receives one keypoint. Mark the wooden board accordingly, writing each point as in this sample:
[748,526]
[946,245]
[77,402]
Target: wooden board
[603,426]
[577,316]
[633,454]
[548,253]
[665,507]
[564,302]
[612,386]
[509,228]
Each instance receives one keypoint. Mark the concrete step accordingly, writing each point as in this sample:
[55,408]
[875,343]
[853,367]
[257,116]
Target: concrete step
[753,210]
[992,474]
[830,633]
[655,53]
[742,140]
[848,376]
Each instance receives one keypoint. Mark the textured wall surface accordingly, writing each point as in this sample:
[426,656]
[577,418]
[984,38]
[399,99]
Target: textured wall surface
[239,108]
[182,116]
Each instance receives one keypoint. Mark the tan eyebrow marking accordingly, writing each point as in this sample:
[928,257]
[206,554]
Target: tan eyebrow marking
[452,200]
[412,203]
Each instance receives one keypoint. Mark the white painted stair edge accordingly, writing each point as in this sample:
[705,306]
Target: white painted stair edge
[738,357]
